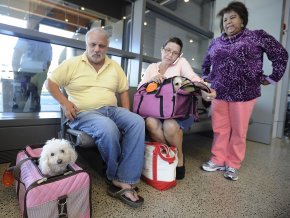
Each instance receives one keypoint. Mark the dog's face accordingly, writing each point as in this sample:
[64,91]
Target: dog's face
[178,82]
[55,156]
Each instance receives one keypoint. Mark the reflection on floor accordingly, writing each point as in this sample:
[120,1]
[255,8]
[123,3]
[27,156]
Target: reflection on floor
[263,188]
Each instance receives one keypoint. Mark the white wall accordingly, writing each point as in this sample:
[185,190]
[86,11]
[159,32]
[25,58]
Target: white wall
[279,118]
[267,15]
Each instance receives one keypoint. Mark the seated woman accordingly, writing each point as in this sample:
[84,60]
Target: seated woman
[170,131]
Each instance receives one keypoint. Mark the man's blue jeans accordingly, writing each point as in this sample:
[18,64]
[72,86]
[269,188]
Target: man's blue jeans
[119,135]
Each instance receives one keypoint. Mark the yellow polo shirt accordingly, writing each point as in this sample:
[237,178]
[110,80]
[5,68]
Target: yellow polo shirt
[86,88]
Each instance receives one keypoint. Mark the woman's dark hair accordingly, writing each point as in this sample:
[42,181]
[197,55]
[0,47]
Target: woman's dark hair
[174,40]
[237,7]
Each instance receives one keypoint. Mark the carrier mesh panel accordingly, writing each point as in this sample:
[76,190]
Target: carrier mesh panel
[79,203]
[77,206]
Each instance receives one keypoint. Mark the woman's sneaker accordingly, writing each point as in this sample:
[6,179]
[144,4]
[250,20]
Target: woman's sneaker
[231,174]
[211,166]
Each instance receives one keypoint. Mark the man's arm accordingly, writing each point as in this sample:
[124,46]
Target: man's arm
[125,101]
[68,107]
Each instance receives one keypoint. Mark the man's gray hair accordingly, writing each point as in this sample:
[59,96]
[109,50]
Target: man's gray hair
[97,30]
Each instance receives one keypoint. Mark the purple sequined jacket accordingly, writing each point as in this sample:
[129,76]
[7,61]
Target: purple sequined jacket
[234,65]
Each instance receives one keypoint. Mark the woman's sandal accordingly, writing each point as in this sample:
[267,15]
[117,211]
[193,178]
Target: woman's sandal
[180,171]
[119,193]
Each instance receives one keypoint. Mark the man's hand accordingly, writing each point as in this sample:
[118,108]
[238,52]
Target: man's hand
[70,110]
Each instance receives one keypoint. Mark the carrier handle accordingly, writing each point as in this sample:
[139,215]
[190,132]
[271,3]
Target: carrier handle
[202,86]
[163,151]
[167,155]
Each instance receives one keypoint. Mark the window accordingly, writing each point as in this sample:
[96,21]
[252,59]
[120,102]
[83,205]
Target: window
[196,12]
[158,28]
[24,67]
[64,16]
[25,63]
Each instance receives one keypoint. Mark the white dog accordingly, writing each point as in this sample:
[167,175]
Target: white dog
[179,81]
[55,156]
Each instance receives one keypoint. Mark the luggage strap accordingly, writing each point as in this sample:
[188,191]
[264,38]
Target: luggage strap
[62,206]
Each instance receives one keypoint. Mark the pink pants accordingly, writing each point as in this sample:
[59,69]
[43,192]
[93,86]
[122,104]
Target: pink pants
[230,121]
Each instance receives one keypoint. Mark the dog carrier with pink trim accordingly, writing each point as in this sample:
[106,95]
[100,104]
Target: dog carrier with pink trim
[39,196]
[176,97]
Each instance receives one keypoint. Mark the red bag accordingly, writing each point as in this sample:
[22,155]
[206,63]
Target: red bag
[160,163]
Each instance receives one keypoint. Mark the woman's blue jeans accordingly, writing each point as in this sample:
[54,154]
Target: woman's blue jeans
[119,135]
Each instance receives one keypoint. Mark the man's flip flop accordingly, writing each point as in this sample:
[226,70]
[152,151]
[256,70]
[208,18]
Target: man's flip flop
[119,193]
[109,182]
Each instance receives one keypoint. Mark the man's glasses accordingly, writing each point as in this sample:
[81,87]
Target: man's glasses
[169,51]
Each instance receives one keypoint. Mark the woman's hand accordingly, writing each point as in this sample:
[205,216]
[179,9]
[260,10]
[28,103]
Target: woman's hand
[159,78]
[265,82]
[208,96]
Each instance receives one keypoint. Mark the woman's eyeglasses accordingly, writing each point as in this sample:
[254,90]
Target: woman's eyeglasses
[169,51]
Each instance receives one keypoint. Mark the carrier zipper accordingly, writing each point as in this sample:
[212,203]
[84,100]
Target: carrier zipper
[41,180]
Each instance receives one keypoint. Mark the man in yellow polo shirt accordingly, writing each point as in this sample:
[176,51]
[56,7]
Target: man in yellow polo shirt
[92,81]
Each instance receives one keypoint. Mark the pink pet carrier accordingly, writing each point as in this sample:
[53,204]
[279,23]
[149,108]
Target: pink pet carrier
[166,102]
[65,195]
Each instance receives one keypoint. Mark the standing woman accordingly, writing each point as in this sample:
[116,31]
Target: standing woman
[170,131]
[233,65]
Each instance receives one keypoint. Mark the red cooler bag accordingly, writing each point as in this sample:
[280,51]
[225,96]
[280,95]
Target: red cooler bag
[160,163]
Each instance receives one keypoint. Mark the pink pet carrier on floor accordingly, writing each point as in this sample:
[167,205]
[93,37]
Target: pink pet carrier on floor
[65,195]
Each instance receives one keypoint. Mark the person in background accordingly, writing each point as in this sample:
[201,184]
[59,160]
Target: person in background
[30,63]
[92,81]
[170,131]
[233,65]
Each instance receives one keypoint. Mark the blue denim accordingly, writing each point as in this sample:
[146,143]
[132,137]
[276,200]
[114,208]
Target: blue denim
[119,135]
[185,123]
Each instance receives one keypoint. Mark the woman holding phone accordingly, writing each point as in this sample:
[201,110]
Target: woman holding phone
[170,131]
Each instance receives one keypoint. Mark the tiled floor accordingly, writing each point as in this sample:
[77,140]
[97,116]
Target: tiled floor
[263,189]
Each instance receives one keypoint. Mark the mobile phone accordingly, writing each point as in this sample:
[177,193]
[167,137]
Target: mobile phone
[177,58]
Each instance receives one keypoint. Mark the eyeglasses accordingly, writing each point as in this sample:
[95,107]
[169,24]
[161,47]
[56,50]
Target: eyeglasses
[169,51]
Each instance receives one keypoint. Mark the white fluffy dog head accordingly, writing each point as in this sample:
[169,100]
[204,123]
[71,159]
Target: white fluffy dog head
[55,156]
[179,81]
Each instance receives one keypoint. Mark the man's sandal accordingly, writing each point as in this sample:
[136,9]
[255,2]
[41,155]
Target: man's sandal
[109,182]
[119,193]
